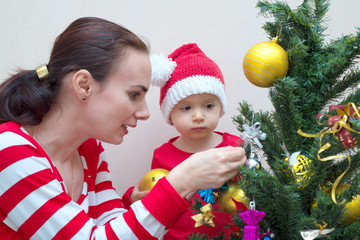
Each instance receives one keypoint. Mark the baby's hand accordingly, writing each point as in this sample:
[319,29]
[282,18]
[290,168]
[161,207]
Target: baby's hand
[137,194]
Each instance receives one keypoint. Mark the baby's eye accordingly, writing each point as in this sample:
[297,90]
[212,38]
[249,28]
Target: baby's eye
[186,108]
[209,106]
[134,95]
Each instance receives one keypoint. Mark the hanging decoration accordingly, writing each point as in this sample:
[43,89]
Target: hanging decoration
[352,210]
[347,117]
[251,219]
[207,195]
[315,233]
[299,165]
[233,200]
[265,62]
[206,217]
[211,195]
[252,134]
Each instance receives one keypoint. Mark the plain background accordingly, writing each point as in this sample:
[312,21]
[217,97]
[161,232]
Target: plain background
[224,30]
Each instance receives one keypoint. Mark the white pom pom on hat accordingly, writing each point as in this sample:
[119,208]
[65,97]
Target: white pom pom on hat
[193,73]
[161,69]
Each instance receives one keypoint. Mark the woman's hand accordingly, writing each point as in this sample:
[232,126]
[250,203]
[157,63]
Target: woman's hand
[207,169]
[137,194]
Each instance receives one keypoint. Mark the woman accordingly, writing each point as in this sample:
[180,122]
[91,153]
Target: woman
[53,171]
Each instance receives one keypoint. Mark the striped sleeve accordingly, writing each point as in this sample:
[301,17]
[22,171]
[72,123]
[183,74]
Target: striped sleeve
[144,219]
[33,202]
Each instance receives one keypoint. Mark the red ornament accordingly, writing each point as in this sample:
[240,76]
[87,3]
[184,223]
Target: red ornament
[341,121]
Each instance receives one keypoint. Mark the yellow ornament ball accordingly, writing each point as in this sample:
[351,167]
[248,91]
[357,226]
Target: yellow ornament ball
[265,62]
[299,165]
[152,177]
[352,210]
[233,193]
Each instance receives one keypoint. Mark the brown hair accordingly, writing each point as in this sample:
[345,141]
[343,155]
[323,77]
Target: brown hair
[88,43]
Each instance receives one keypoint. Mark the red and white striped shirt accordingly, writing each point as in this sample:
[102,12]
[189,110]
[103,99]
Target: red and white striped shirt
[34,203]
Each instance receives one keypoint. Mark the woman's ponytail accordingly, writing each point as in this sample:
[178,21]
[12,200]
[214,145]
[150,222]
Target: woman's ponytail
[24,98]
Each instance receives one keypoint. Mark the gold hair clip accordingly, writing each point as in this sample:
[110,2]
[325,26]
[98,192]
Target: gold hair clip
[42,71]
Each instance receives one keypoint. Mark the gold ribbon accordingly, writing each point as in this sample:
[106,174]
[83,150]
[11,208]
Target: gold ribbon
[321,226]
[337,126]
[206,217]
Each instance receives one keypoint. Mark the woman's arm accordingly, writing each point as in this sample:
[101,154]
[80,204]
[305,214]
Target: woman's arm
[33,203]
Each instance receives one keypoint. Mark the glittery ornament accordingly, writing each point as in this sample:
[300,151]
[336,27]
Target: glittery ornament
[251,219]
[299,165]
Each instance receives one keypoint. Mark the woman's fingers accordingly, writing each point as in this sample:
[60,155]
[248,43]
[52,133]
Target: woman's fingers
[235,154]
[211,168]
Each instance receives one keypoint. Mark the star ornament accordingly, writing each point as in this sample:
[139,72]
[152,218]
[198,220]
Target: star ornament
[206,217]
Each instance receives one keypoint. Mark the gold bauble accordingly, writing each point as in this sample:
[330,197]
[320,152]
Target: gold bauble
[152,177]
[225,200]
[265,62]
[352,208]
[299,167]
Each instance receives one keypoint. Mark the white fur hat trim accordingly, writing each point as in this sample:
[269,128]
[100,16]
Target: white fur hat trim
[192,85]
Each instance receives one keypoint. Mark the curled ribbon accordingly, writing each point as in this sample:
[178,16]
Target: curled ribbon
[206,217]
[252,133]
[349,112]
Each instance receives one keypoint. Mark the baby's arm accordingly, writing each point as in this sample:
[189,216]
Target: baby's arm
[133,194]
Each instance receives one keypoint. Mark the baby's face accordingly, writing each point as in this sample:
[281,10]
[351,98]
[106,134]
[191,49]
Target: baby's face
[197,115]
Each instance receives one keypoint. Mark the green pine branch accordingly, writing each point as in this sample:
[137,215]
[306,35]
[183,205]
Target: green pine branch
[320,73]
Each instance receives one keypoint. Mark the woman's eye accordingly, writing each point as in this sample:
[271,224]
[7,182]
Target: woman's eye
[134,95]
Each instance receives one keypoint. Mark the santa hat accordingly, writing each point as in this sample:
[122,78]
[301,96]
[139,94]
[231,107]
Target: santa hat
[186,71]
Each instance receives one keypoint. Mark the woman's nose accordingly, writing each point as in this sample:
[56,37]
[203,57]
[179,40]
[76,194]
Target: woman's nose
[143,113]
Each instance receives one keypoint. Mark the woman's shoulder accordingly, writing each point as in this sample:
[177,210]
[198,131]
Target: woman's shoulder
[9,127]
[12,134]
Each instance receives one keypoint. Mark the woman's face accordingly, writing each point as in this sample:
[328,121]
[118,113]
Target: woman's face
[120,101]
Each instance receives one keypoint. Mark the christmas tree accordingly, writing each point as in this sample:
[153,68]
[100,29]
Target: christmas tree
[312,185]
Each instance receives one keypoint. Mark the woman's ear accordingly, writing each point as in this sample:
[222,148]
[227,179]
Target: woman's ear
[82,82]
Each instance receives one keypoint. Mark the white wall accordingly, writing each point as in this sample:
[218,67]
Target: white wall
[224,30]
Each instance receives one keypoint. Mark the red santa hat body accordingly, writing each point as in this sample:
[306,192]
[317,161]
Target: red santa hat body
[189,71]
